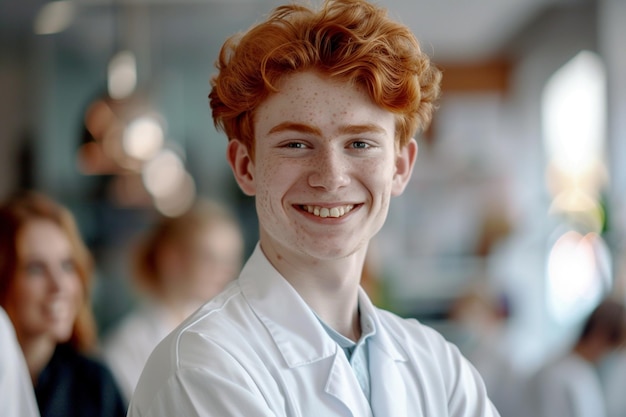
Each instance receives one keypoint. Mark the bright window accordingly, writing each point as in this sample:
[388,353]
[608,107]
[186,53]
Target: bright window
[574,114]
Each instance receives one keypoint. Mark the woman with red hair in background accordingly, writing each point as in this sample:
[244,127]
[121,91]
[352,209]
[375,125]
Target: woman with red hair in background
[45,275]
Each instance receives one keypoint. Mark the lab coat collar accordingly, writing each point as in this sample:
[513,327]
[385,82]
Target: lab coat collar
[299,336]
[297,332]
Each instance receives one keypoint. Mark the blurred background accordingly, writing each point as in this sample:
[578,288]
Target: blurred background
[519,188]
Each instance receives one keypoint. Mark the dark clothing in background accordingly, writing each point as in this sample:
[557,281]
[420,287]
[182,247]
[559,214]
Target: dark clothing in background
[73,385]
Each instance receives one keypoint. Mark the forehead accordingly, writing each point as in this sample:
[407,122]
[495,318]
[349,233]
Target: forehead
[42,237]
[317,100]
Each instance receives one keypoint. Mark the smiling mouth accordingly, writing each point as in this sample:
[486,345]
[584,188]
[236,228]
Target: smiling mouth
[338,211]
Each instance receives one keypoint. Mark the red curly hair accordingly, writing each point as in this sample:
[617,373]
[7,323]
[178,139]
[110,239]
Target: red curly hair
[349,39]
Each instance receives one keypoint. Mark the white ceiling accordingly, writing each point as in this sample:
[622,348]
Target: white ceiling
[450,30]
[459,30]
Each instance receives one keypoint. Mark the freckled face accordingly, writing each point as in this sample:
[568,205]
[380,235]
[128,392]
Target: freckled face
[45,295]
[325,168]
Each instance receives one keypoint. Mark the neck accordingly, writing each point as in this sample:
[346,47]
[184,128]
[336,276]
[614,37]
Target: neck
[37,353]
[351,328]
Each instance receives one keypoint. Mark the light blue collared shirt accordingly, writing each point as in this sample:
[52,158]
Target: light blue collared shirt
[357,353]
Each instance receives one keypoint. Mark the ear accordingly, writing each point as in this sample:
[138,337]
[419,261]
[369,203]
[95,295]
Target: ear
[241,163]
[405,160]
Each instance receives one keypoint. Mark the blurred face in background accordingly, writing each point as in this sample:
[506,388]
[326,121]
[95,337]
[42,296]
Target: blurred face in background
[45,295]
[199,268]
[216,259]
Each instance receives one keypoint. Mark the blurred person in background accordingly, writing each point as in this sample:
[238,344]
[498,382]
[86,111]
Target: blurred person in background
[17,398]
[480,321]
[45,278]
[181,263]
[569,385]
[613,374]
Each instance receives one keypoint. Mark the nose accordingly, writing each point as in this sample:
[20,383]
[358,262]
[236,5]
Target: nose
[55,279]
[329,169]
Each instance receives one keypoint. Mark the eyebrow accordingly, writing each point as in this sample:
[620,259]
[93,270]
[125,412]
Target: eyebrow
[294,127]
[358,129]
[347,129]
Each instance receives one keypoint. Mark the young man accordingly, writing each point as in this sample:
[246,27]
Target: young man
[320,108]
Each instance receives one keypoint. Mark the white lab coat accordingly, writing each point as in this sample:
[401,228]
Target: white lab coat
[17,397]
[258,350]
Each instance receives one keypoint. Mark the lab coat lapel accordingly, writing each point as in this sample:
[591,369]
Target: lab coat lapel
[389,395]
[343,385]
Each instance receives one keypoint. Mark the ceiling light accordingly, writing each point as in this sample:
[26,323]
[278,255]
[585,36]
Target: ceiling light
[122,75]
[54,17]
[143,138]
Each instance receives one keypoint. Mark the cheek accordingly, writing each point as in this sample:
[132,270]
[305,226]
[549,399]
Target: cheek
[271,183]
[379,174]
[25,292]
[74,290]
[268,172]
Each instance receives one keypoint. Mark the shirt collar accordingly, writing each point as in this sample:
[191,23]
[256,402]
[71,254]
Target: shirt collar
[368,330]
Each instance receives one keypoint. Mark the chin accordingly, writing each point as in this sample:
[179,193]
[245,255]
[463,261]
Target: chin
[330,253]
[63,335]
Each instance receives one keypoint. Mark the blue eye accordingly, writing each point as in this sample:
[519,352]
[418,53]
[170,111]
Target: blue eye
[360,145]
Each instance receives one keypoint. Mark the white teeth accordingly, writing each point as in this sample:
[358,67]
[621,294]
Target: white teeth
[329,212]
